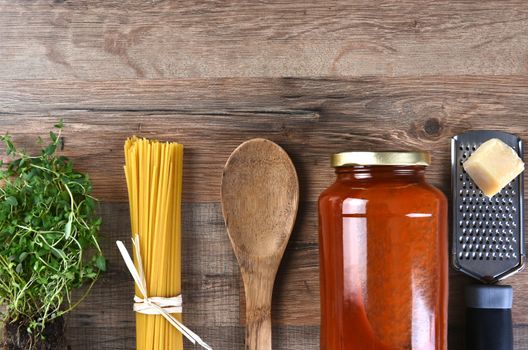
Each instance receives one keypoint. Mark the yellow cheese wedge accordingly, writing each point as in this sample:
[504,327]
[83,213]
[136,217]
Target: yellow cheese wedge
[493,165]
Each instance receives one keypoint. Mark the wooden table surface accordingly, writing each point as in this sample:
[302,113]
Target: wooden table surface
[315,76]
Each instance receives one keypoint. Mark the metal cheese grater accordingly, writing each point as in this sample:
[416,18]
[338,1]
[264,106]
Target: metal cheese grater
[488,243]
[488,240]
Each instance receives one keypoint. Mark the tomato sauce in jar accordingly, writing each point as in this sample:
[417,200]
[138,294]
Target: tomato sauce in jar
[383,255]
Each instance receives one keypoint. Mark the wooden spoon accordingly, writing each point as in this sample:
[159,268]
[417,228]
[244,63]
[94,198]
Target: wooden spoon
[260,196]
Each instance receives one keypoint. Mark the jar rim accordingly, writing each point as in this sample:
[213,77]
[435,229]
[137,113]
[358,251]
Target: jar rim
[395,158]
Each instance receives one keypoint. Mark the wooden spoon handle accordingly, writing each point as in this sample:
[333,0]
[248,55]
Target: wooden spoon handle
[258,330]
[258,288]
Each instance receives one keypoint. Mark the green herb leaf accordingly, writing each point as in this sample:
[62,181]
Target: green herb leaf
[22,256]
[60,124]
[50,149]
[10,147]
[100,262]
[68,227]
[12,201]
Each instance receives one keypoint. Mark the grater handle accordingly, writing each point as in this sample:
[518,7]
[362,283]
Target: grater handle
[489,318]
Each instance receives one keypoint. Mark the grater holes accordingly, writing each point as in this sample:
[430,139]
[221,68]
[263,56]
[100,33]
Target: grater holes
[486,224]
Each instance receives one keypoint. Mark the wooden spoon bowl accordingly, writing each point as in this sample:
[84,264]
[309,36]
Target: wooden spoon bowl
[260,197]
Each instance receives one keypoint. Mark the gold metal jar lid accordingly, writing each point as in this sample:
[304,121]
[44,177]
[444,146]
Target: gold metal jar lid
[421,158]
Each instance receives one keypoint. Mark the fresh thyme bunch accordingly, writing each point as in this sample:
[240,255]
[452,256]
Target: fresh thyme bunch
[48,235]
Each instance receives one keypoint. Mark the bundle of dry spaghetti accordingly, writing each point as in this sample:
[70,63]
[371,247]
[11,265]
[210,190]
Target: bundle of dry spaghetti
[154,179]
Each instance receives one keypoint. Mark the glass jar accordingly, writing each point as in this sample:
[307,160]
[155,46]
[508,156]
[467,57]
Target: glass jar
[383,255]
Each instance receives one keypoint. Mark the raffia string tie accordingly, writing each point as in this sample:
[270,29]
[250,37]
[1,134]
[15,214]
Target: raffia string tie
[155,305]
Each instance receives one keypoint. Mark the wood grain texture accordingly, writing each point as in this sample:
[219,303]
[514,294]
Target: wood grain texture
[212,288]
[316,77]
[180,39]
[310,118]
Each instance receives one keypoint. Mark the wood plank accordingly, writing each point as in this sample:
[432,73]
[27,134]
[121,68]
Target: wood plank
[231,337]
[181,39]
[213,300]
[310,118]
[225,337]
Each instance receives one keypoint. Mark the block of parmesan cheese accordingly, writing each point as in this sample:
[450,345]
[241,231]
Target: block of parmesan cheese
[493,165]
